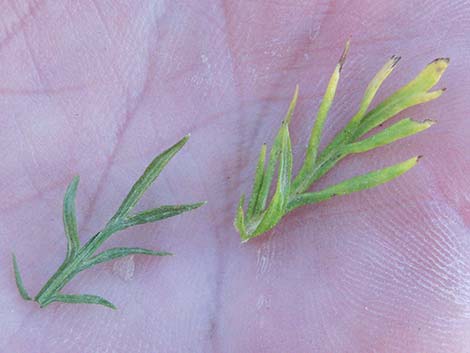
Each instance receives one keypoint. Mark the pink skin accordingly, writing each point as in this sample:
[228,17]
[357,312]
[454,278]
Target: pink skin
[98,88]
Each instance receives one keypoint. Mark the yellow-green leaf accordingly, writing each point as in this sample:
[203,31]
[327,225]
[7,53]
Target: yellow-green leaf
[355,184]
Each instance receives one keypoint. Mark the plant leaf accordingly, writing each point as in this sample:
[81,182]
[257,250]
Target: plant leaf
[413,93]
[397,131]
[19,280]
[147,178]
[259,175]
[70,219]
[317,130]
[278,204]
[355,184]
[374,86]
[239,221]
[292,105]
[273,157]
[157,214]
[347,133]
[115,253]
[268,174]
[80,299]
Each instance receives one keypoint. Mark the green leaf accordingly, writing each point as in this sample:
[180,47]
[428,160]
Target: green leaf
[157,214]
[115,253]
[278,204]
[259,175]
[70,219]
[239,221]
[149,176]
[344,143]
[355,184]
[347,133]
[79,299]
[273,158]
[269,173]
[19,281]
[317,130]
[374,86]
[397,131]
[292,105]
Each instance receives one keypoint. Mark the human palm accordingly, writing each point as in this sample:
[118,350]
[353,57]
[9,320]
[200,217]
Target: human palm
[100,88]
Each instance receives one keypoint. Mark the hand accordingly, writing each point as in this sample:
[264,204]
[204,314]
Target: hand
[100,88]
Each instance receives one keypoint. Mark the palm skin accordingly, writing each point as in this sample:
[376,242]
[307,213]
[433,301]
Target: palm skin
[99,88]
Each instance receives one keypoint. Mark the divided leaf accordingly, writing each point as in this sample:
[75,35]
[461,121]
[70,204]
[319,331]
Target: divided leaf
[290,195]
[79,259]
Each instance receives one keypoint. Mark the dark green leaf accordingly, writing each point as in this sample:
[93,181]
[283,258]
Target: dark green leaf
[19,281]
[149,176]
[70,219]
[115,253]
[80,299]
[259,175]
[157,214]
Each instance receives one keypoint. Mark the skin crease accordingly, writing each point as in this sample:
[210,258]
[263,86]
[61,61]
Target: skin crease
[98,88]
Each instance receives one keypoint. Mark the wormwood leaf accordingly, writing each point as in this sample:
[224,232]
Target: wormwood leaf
[70,219]
[355,184]
[260,219]
[115,253]
[19,280]
[80,299]
[80,258]
[144,182]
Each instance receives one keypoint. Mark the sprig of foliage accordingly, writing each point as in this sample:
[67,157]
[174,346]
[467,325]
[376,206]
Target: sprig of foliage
[292,192]
[79,258]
